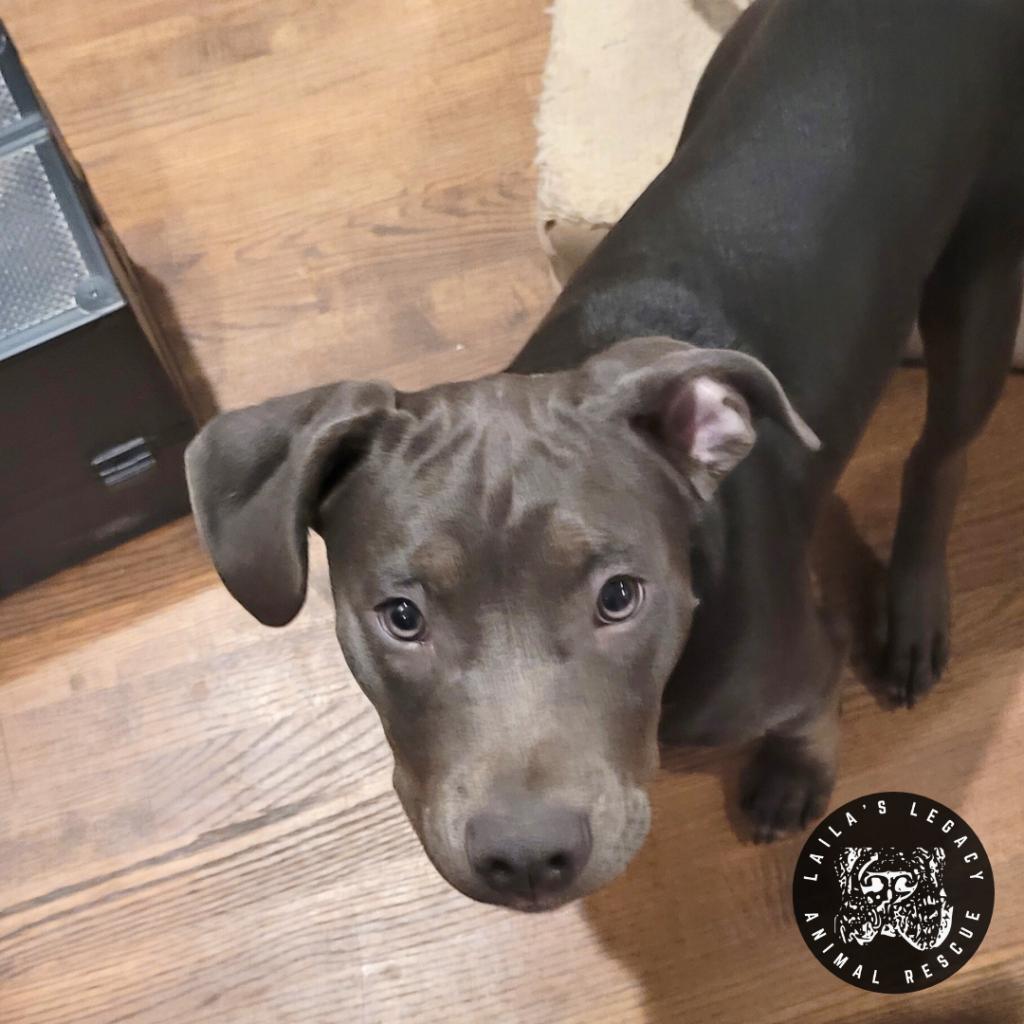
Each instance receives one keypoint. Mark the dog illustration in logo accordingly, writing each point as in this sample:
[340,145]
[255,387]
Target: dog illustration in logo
[892,892]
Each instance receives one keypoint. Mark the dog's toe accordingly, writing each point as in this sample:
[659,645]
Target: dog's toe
[917,641]
[913,666]
[909,674]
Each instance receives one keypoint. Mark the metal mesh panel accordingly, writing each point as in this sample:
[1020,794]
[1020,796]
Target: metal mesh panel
[9,112]
[40,264]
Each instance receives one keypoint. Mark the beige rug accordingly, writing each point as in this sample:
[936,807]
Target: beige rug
[618,80]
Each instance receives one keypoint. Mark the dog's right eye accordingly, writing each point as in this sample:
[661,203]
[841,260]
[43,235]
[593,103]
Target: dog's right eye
[619,599]
[402,619]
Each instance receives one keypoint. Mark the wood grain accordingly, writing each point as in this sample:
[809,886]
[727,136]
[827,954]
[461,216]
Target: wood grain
[196,821]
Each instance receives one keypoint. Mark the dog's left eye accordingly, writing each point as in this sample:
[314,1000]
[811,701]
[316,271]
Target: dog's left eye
[619,599]
[402,619]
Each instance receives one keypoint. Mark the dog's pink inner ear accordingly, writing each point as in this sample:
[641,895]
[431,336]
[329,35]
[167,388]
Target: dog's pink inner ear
[707,428]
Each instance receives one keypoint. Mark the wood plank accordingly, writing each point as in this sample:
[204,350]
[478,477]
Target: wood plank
[196,819]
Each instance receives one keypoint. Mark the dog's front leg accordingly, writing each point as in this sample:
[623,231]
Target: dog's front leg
[789,779]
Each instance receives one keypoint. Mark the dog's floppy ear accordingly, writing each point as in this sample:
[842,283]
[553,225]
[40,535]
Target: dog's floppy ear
[255,476]
[697,405]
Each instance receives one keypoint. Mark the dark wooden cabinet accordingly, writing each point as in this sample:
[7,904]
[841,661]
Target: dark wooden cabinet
[93,414]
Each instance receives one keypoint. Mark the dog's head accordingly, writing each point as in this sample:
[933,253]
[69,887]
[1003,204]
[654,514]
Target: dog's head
[510,565]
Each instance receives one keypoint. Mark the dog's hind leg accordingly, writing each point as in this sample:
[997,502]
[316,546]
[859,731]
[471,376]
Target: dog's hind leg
[969,316]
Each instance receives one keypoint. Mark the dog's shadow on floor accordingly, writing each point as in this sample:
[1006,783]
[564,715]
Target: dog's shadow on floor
[850,580]
[703,920]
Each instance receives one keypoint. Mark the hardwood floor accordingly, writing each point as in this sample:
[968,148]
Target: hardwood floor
[196,820]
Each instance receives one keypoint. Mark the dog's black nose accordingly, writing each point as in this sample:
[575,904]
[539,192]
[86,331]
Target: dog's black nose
[533,851]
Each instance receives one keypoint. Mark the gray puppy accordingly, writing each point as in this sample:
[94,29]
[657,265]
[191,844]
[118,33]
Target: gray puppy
[535,570]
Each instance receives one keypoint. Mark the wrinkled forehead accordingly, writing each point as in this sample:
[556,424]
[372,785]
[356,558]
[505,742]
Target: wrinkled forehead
[496,441]
[502,470]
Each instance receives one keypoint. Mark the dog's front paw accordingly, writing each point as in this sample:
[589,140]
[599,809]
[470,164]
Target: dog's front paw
[917,636]
[783,789]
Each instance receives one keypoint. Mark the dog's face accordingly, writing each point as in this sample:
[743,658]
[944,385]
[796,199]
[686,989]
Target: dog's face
[512,590]
[510,567]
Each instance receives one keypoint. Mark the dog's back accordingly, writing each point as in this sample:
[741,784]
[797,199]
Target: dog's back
[834,150]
